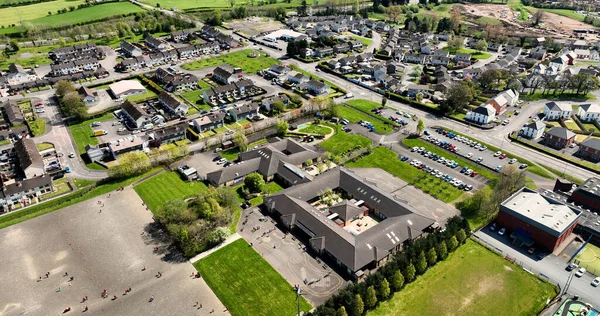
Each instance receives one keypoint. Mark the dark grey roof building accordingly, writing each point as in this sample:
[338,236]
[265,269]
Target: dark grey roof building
[359,231]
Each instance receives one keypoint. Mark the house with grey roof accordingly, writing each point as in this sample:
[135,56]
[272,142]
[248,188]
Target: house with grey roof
[533,130]
[30,160]
[208,122]
[134,112]
[359,226]
[589,112]
[555,111]
[558,137]
[280,159]
[243,112]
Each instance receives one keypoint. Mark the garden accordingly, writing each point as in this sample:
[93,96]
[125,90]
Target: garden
[246,283]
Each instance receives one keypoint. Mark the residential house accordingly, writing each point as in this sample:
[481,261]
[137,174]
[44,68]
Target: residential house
[208,122]
[29,158]
[130,50]
[278,70]
[503,100]
[560,63]
[317,87]
[306,52]
[135,114]
[364,57]
[413,89]
[224,74]
[590,149]
[169,134]
[440,61]
[414,58]
[347,61]
[533,130]
[172,104]
[462,59]
[177,82]
[583,54]
[298,78]
[13,113]
[483,114]
[342,48]
[88,96]
[440,53]
[558,137]
[17,75]
[243,112]
[555,111]
[538,53]
[23,191]
[322,52]
[333,64]
[356,45]
[156,43]
[268,101]
[495,47]
[179,36]
[589,112]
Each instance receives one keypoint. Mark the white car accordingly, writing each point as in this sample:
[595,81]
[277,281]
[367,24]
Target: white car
[469,155]
[596,282]
[580,272]
[349,96]
[514,160]
[40,111]
[498,153]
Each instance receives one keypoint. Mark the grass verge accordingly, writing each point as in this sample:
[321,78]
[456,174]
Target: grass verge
[343,142]
[246,283]
[165,187]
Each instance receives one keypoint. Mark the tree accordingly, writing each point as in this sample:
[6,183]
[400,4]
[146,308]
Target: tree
[456,19]
[431,256]
[394,12]
[240,140]
[342,311]
[461,236]
[537,17]
[73,105]
[421,264]
[371,297]
[232,3]
[488,77]
[459,95]
[158,5]
[397,281]
[14,45]
[254,182]
[282,127]
[481,45]
[452,243]
[277,107]
[384,101]
[410,272]
[456,43]
[420,127]
[358,307]
[63,87]
[383,290]
[130,164]
[442,251]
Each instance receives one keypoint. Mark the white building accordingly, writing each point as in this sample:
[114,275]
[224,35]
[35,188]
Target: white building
[483,114]
[126,88]
[533,130]
[589,112]
[555,111]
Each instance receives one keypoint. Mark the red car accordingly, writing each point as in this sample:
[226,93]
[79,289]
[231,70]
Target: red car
[474,173]
[502,156]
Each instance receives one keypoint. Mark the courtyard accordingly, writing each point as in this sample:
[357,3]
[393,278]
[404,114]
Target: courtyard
[106,243]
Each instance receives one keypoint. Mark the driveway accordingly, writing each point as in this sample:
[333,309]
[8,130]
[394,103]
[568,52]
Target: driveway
[551,266]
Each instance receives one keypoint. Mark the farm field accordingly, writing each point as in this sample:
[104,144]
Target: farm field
[246,283]
[469,282]
[188,4]
[13,15]
[92,13]
[236,59]
[387,160]
[343,142]
[165,187]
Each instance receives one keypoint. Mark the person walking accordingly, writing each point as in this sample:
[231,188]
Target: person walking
[59,288]
[85,309]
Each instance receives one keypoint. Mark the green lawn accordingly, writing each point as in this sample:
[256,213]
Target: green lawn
[557,97]
[187,4]
[571,125]
[13,15]
[44,146]
[92,13]
[365,40]
[165,187]
[363,105]
[37,127]
[142,97]
[246,283]
[471,281]
[474,53]
[387,160]
[564,12]
[343,142]
[488,20]
[84,135]
[230,154]
[196,98]
[236,59]
[316,129]
[356,116]
[61,186]
[80,183]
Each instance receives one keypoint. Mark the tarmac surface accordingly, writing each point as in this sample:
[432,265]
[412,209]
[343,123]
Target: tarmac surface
[112,249]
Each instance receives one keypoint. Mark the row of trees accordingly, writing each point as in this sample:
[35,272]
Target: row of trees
[403,268]
[201,223]
[581,83]
[136,162]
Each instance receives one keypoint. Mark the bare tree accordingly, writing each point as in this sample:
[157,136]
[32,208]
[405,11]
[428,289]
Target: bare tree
[537,17]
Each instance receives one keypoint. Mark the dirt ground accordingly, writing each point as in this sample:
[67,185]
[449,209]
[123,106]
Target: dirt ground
[552,24]
[255,25]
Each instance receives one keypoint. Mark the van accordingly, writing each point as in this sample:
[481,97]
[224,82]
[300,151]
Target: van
[100,132]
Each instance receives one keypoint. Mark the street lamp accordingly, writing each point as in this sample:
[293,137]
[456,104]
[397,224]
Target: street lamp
[298,294]
[568,283]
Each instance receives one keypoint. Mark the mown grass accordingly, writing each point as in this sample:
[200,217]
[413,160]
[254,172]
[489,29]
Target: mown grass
[95,12]
[474,53]
[387,160]
[239,59]
[84,135]
[316,129]
[246,283]
[13,15]
[165,187]
[343,142]
[470,282]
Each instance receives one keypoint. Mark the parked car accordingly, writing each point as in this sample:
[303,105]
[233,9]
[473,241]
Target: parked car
[480,159]
[493,227]
[67,169]
[523,166]
[502,156]
[498,168]
[531,250]
[498,153]
[571,266]
[580,272]
[596,282]
[514,160]
[502,231]
[404,158]
[71,155]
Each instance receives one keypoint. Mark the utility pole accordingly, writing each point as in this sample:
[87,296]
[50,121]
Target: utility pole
[298,294]
[568,283]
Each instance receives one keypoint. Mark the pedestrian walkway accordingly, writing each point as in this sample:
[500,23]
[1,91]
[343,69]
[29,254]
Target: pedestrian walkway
[227,241]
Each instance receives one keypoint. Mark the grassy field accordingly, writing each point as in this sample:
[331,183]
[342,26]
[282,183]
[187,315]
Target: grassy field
[316,129]
[235,59]
[13,15]
[387,160]
[356,116]
[343,142]
[92,13]
[230,154]
[589,258]
[485,20]
[558,97]
[470,282]
[165,187]
[84,135]
[566,13]
[246,283]
[363,105]
[474,53]
[195,97]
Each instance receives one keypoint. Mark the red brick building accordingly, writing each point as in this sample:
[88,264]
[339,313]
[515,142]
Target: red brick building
[590,148]
[532,218]
[588,194]
[558,137]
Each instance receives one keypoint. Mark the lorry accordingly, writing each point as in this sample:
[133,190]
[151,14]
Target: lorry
[99,133]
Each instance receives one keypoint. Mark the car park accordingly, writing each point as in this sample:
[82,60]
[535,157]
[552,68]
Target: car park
[473,174]
[493,227]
